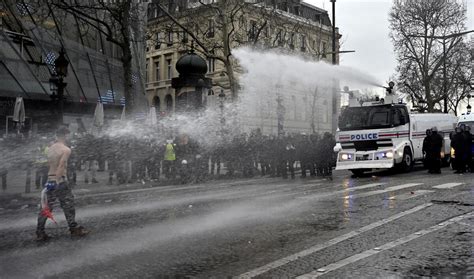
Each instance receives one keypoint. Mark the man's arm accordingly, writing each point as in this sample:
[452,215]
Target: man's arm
[60,171]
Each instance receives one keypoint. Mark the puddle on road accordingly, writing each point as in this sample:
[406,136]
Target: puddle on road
[348,201]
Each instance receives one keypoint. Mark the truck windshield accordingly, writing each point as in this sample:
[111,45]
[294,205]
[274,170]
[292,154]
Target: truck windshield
[358,118]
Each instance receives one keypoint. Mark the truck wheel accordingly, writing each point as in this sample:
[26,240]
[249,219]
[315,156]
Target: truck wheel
[358,172]
[407,162]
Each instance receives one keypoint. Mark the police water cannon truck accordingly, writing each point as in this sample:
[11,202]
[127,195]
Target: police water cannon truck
[382,134]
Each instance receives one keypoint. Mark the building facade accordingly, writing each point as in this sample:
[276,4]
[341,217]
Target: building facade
[291,26]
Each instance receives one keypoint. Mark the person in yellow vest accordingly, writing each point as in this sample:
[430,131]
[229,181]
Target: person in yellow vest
[41,162]
[169,160]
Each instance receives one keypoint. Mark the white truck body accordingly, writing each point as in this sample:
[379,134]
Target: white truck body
[394,142]
[467,119]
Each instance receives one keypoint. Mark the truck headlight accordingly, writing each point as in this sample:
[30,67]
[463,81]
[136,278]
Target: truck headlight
[345,157]
[389,154]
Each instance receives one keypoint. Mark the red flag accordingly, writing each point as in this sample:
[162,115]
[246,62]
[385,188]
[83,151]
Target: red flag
[46,212]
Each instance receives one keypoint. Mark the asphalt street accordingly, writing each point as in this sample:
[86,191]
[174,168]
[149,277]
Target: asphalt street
[382,225]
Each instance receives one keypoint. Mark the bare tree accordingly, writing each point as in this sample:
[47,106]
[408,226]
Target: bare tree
[421,56]
[119,23]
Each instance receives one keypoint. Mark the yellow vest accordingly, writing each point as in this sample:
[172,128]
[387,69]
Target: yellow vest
[170,154]
[43,157]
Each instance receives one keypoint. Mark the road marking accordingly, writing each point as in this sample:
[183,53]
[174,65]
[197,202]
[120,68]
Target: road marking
[321,246]
[365,186]
[352,259]
[173,188]
[407,196]
[447,185]
[349,189]
[389,189]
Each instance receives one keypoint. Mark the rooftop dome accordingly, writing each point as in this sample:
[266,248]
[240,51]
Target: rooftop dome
[191,64]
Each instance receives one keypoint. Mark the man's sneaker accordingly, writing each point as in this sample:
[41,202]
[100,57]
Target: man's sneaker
[79,231]
[42,236]
[94,180]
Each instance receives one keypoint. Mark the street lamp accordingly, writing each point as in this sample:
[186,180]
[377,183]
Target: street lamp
[221,106]
[333,32]
[468,103]
[57,82]
[280,115]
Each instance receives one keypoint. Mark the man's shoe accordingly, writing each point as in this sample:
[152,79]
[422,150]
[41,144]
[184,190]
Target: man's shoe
[79,231]
[42,236]
[94,181]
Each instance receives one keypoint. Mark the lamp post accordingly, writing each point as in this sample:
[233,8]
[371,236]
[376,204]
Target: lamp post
[221,106]
[57,82]
[280,115]
[468,103]
[334,62]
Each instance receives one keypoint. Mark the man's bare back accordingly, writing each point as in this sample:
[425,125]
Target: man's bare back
[58,155]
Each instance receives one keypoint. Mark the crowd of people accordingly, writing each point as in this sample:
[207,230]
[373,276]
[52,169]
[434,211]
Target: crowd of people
[185,160]
[129,159]
[461,145]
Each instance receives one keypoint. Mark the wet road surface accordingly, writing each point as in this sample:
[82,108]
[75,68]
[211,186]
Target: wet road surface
[378,226]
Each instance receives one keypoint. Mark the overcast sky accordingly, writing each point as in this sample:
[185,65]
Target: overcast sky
[365,29]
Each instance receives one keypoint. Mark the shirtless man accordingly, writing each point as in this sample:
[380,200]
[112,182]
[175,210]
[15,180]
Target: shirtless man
[58,155]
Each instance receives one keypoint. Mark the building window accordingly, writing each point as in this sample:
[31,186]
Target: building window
[183,37]
[157,104]
[266,31]
[252,31]
[279,37]
[169,68]
[158,40]
[297,10]
[324,50]
[157,71]
[292,40]
[303,43]
[211,29]
[146,72]
[169,39]
[211,65]
[242,22]
[325,112]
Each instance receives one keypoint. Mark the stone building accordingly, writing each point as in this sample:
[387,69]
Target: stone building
[292,26]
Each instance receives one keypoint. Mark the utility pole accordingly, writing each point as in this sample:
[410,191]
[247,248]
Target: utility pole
[334,61]
[445,82]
